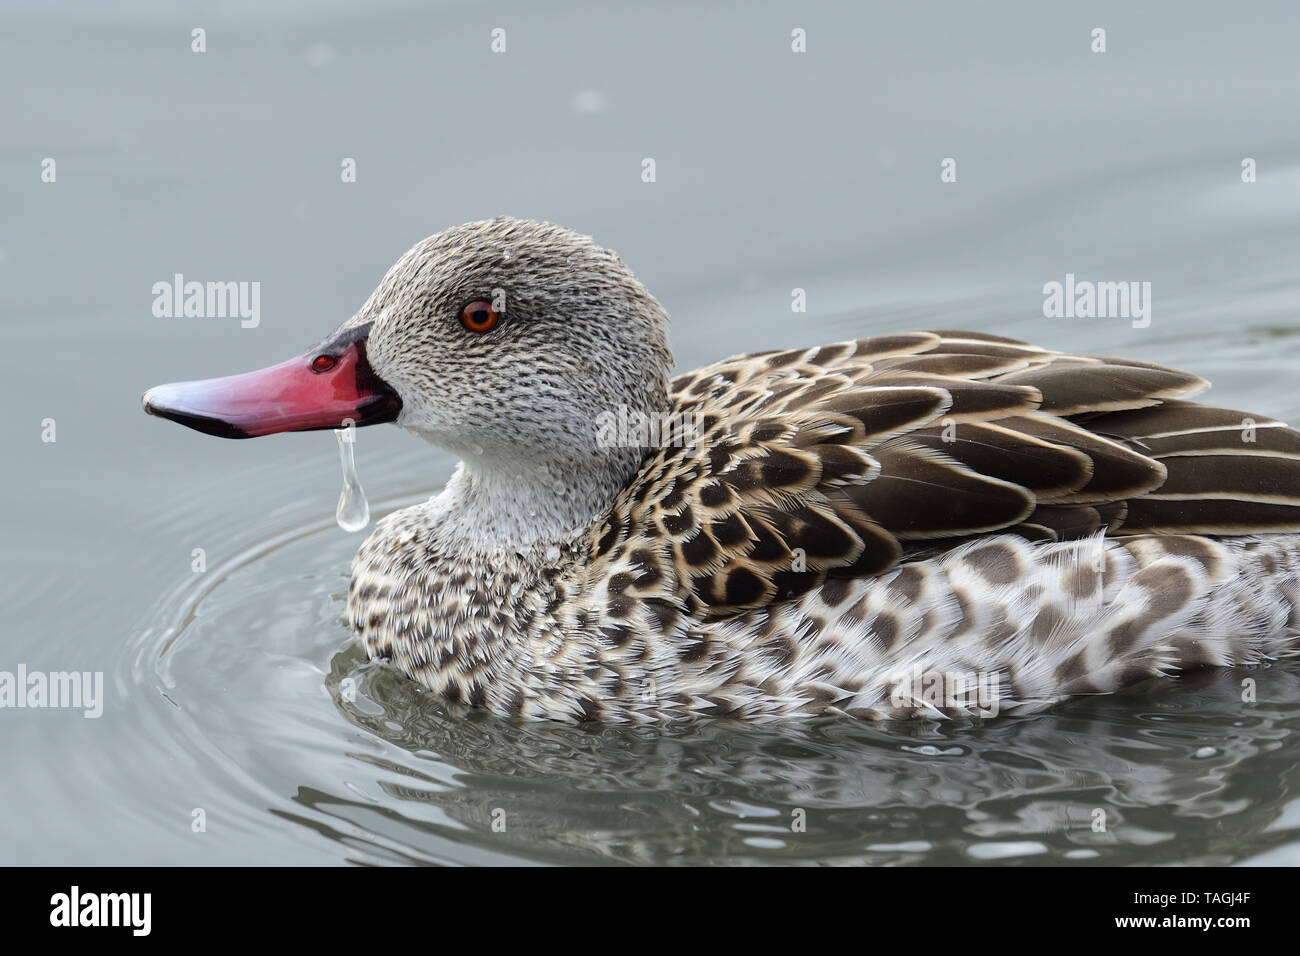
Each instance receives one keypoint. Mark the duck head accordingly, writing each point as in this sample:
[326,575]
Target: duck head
[500,341]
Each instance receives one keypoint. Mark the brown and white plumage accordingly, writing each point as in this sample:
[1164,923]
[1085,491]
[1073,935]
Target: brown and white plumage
[853,519]
[857,454]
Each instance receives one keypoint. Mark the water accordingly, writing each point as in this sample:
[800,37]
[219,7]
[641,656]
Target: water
[353,510]
[232,688]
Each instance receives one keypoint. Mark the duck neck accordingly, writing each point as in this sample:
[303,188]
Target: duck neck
[489,504]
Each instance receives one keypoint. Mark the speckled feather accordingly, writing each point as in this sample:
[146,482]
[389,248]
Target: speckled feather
[851,514]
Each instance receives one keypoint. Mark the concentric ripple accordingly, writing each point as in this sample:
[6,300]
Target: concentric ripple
[293,737]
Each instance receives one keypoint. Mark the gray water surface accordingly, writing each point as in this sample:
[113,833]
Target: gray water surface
[237,692]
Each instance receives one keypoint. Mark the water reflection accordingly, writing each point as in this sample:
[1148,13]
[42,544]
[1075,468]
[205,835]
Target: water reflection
[1168,772]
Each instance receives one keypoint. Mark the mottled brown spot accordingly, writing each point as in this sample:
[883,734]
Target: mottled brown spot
[607,539]
[661,614]
[786,357]
[907,583]
[997,563]
[743,587]
[695,649]
[1046,624]
[1198,549]
[1073,668]
[767,547]
[781,469]
[742,396]
[1111,570]
[885,631]
[964,617]
[1082,581]
[834,591]
[830,354]
[620,607]
[715,495]
[719,459]
[789,584]
[1169,586]
[730,532]
[1122,637]
[999,635]
[699,551]
[820,537]
[746,477]
[650,576]
[676,525]
[780,651]
[768,430]
[1133,674]
[616,635]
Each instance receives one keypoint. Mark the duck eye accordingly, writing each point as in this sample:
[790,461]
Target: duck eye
[323,363]
[479,316]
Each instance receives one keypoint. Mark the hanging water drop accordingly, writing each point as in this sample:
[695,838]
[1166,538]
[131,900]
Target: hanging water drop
[353,512]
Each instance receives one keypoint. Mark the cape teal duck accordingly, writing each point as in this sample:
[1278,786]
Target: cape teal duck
[926,523]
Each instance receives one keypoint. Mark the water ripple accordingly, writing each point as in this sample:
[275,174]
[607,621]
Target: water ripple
[297,728]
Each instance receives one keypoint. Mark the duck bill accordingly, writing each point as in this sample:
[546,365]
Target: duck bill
[299,395]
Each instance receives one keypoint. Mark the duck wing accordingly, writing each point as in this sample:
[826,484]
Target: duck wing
[841,460]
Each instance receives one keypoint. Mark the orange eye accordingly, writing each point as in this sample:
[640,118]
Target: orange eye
[323,363]
[479,316]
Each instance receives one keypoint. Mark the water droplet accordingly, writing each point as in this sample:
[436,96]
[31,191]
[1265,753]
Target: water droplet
[507,253]
[477,450]
[552,554]
[353,512]
[1206,752]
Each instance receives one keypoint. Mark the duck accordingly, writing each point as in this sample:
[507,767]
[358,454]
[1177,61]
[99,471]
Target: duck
[930,524]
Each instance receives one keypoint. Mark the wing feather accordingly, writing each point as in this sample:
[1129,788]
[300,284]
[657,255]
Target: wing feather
[840,460]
